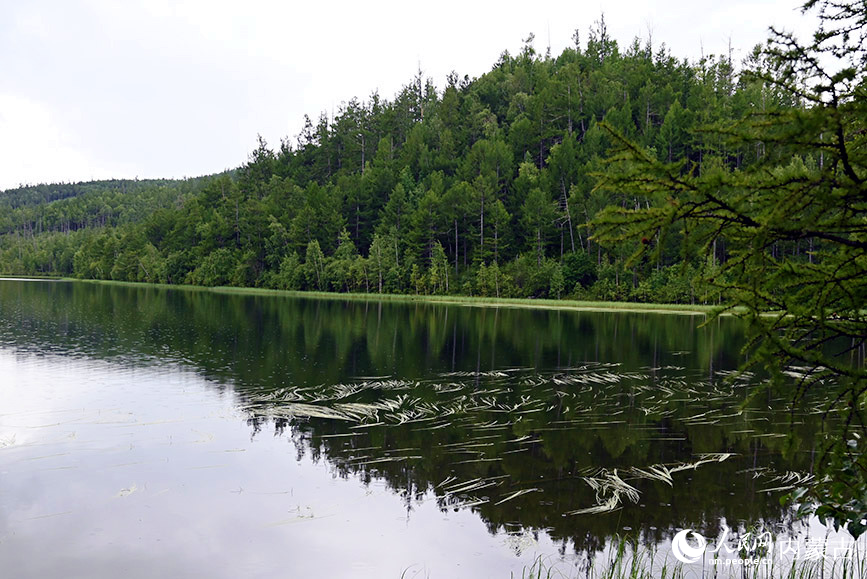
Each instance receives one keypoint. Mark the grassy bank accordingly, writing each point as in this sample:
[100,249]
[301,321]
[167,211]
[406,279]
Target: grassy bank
[12,276]
[484,302]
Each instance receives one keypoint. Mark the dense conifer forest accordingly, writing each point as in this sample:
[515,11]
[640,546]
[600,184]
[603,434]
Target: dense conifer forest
[484,187]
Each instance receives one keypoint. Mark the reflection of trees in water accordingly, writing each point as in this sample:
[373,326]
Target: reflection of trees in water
[263,340]
[698,499]
[515,399]
[557,449]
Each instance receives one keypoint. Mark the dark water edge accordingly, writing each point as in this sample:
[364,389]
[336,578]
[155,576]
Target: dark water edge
[149,429]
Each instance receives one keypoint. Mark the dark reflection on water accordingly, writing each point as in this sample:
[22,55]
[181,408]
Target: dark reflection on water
[578,426]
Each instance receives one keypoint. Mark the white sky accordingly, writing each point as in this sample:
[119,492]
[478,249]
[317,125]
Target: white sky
[93,89]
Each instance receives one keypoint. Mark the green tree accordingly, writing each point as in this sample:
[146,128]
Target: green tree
[338,271]
[795,227]
[537,218]
[314,266]
[457,210]
[290,276]
[425,224]
[557,283]
[216,269]
[672,136]
[499,220]
[563,167]
[438,274]
[383,260]
[578,269]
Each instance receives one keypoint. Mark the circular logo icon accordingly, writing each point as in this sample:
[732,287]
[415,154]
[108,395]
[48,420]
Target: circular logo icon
[685,552]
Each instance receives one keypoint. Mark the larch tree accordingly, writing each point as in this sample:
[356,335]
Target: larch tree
[795,227]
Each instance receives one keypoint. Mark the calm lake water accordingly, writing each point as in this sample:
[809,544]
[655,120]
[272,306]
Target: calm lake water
[150,432]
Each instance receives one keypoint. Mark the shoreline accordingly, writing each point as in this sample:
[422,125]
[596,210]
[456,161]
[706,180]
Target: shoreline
[471,301]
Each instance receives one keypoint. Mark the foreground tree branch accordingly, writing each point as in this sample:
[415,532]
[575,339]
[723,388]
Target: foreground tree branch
[807,310]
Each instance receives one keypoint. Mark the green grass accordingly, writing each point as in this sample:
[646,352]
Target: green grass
[484,302]
[626,561]
[34,276]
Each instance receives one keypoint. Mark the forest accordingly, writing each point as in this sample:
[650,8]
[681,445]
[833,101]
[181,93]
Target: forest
[486,187]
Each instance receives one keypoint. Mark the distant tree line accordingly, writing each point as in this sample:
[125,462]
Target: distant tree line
[485,187]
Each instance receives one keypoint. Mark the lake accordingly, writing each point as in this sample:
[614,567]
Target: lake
[185,433]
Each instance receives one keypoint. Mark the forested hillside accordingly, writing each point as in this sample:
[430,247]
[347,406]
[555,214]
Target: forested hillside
[483,187]
[42,226]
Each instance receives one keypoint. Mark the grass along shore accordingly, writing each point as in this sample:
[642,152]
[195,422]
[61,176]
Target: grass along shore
[471,301]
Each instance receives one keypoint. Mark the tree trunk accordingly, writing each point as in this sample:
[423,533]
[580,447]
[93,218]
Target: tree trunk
[568,215]
[482,228]
[457,247]
[539,247]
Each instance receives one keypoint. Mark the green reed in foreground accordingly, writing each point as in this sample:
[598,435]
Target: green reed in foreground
[625,560]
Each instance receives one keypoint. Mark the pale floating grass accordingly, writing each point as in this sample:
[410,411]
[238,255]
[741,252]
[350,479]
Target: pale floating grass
[612,490]
[48,516]
[795,478]
[43,457]
[446,481]
[404,449]
[486,374]
[385,459]
[785,481]
[467,503]
[430,428]
[493,425]
[516,494]
[470,444]
[655,472]
[125,464]
[365,448]
[296,409]
[479,460]
[455,398]
[368,425]
[473,485]
[704,458]
[515,451]
[483,408]
[127,491]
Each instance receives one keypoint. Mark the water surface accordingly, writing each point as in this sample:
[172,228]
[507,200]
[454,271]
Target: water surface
[154,432]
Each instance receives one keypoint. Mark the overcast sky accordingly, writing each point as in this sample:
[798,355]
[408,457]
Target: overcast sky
[153,88]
